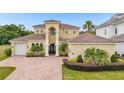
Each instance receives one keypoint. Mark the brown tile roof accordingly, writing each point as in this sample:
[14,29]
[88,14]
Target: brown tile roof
[69,27]
[90,38]
[30,37]
[64,26]
[118,38]
[63,39]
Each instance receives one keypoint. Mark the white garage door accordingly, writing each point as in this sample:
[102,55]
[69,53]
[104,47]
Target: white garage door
[20,49]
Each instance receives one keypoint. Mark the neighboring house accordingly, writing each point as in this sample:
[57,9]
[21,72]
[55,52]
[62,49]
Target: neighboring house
[52,33]
[114,29]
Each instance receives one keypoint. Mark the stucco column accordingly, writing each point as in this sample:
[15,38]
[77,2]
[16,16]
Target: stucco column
[57,43]
[47,44]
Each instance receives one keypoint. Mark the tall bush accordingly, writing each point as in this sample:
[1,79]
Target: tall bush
[41,47]
[8,52]
[114,58]
[63,49]
[90,55]
[80,59]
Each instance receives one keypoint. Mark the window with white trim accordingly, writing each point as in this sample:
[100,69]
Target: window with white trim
[116,31]
[66,32]
[105,31]
[37,31]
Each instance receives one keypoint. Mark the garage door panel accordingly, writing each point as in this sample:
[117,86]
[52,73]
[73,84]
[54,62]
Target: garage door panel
[20,49]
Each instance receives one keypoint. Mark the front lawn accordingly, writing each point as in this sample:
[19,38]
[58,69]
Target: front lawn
[69,74]
[2,49]
[5,71]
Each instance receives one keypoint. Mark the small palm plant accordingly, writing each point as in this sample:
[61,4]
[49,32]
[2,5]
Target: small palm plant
[97,56]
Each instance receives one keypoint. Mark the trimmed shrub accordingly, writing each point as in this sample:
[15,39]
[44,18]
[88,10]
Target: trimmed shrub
[80,59]
[42,53]
[93,67]
[114,58]
[63,49]
[29,54]
[63,53]
[8,52]
[122,55]
[117,55]
[120,60]
[73,59]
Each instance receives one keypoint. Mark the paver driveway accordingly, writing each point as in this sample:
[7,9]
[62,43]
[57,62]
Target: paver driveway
[34,68]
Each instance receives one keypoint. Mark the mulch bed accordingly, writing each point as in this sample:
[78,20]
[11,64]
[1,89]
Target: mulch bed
[93,67]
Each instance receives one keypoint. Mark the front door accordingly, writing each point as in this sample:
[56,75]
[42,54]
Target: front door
[52,49]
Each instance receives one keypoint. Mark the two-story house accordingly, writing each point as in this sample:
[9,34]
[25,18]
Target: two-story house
[114,29]
[50,34]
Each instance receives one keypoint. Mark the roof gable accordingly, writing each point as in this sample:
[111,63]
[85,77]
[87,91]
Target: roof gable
[117,18]
[30,37]
[64,26]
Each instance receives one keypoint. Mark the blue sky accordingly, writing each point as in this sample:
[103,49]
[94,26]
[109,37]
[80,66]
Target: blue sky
[29,19]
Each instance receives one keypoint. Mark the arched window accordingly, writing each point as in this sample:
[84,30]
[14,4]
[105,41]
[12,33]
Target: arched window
[41,44]
[33,44]
[52,30]
[66,32]
[41,47]
[73,32]
[37,31]
[41,31]
[37,43]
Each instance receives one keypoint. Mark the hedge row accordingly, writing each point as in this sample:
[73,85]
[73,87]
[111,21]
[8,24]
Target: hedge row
[93,67]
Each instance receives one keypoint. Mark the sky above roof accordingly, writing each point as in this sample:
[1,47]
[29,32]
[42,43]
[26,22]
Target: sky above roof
[30,19]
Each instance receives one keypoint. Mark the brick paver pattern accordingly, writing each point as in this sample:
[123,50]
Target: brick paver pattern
[34,68]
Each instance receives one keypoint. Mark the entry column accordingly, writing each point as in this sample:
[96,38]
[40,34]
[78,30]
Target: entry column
[46,44]
[57,43]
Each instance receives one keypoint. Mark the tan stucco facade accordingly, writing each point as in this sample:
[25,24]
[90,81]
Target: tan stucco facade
[66,32]
[77,49]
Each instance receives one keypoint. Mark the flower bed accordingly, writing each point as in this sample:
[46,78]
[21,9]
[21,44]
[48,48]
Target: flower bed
[93,67]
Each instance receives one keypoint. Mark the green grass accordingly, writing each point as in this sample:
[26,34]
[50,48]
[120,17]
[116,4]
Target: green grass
[69,74]
[5,71]
[2,49]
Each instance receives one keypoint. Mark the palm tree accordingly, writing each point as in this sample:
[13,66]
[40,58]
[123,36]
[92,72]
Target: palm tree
[89,27]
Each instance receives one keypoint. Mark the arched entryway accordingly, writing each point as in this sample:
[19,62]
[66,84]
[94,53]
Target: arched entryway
[52,49]
[52,41]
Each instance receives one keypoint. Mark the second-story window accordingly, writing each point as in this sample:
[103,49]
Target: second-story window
[53,32]
[66,32]
[37,31]
[105,31]
[116,31]
[73,32]
[41,31]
